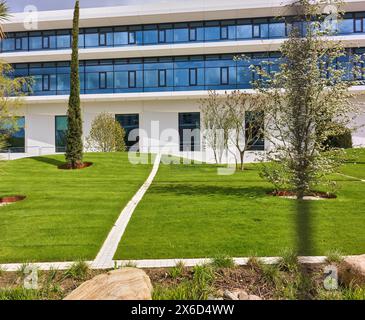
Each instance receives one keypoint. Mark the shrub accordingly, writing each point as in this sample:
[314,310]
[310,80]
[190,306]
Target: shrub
[177,271]
[342,140]
[78,271]
[222,261]
[106,134]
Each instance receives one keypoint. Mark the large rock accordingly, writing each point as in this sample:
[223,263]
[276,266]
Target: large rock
[123,284]
[352,270]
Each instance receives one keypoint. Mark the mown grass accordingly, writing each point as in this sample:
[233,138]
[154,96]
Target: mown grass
[191,212]
[67,214]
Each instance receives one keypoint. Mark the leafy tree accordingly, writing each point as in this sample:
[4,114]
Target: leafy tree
[106,134]
[308,101]
[74,144]
[232,122]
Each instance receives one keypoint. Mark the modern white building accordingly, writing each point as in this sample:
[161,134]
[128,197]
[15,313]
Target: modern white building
[149,64]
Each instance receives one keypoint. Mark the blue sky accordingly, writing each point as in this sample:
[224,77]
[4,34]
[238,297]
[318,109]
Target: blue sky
[19,5]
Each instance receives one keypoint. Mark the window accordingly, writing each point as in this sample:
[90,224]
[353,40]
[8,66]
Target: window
[256,31]
[162,36]
[35,43]
[18,44]
[132,37]
[46,82]
[45,42]
[102,80]
[358,25]
[224,32]
[193,76]
[15,136]
[162,78]
[224,75]
[61,125]
[192,34]
[132,79]
[189,131]
[254,137]
[102,39]
[130,124]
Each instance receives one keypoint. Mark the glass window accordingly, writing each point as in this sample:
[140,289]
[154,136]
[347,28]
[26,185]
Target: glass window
[92,81]
[132,79]
[193,81]
[224,75]
[150,34]
[63,39]
[256,31]
[35,43]
[102,39]
[102,80]
[244,31]
[61,124]
[18,44]
[46,82]
[189,131]
[254,136]
[181,32]
[8,44]
[15,135]
[212,31]
[132,37]
[346,25]
[130,124]
[192,34]
[121,36]
[162,36]
[358,25]
[224,32]
[63,83]
[162,78]
[121,79]
[45,42]
[277,29]
[92,38]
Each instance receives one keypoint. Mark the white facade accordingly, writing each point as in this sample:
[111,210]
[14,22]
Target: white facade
[161,107]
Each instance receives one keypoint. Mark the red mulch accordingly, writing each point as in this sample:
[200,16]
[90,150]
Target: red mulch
[83,165]
[12,199]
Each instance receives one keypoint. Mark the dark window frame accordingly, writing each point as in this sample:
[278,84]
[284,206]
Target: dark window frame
[134,84]
[195,83]
[226,32]
[58,148]
[17,48]
[128,129]
[103,74]
[46,79]
[164,78]
[132,37]
[256,25]
[43,43]
[160,38]
[362,22]
[224,83]
[193,32]
[195,146]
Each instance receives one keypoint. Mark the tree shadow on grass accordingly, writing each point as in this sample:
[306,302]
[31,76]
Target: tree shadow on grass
[197,190]
[304,213]
[50,161]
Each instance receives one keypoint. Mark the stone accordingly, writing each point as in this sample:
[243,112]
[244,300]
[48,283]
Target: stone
[227,295]
[243,295]
[123,284]
[352,270]
[254,297]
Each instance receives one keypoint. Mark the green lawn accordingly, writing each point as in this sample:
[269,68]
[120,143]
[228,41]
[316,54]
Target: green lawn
[67,214]
[190,211]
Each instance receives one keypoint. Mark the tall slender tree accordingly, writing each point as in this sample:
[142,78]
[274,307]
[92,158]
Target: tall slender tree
[74,146]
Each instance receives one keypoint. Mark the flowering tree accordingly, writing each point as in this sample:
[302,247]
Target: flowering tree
[308,102]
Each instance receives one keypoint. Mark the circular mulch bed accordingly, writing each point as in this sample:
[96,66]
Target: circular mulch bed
[67,166]
[309,196]
[11,199]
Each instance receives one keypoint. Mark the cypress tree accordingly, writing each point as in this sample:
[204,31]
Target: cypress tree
[74,146]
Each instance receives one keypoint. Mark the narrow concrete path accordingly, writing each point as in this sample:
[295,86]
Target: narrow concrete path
[351,177]
[157,263]
[104,258]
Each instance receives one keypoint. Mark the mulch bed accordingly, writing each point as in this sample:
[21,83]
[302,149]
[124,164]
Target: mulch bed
[11,199]
[317,194]
[67,166]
